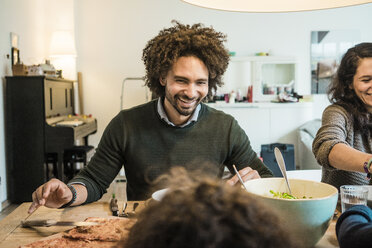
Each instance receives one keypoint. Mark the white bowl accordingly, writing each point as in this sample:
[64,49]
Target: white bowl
[158,195]
[307,218]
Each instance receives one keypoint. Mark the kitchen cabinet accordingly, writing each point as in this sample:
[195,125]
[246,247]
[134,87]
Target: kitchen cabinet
[269,76]
[267,123]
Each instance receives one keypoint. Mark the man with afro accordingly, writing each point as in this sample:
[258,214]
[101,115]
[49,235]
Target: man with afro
[184,66]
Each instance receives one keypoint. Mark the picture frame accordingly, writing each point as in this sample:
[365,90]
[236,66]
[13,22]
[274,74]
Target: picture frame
[14,39]
[15,56]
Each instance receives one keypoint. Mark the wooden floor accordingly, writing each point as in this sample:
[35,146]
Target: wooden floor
[118,187]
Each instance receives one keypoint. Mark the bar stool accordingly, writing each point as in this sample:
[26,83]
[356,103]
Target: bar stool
[76,158]
[51,165]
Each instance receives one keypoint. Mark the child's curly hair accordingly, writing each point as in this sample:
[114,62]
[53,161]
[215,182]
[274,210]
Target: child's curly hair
[200,211]
[184,40]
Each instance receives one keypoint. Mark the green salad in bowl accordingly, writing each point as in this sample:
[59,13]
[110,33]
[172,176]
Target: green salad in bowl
[306,212]
[285,195]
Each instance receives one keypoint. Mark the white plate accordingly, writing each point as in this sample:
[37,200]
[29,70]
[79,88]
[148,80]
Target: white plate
[158,195]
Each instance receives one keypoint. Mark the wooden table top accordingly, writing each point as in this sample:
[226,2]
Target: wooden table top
[12,235]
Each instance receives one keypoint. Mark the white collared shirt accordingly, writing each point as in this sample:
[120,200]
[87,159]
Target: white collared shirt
[163,114]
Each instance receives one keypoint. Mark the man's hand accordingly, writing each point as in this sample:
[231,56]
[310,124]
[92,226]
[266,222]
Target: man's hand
[246,174]
[52,194]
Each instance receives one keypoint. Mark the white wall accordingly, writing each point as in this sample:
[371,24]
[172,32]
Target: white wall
[26,18]
[111,35]
[33,21]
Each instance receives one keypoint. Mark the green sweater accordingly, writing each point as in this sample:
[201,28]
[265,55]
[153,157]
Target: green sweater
[148,147]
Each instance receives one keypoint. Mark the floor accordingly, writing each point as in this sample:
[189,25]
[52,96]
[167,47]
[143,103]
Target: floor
[118,187]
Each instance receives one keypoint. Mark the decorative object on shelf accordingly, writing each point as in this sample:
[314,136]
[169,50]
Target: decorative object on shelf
[48,69]
[19,70]
[14,40]
[250,93]
[15,56]
[273,5]
[232,97]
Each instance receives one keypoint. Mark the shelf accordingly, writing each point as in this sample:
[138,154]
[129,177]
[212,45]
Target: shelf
[222,104]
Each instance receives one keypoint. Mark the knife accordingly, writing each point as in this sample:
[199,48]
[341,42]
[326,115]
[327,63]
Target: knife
[49,222]
[123,211]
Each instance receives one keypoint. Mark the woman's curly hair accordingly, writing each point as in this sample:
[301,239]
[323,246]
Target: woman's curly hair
[180,40]
[341,91]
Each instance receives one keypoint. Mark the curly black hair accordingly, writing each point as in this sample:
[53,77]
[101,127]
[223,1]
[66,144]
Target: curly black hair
[180,40]
[340,91]
[209,213]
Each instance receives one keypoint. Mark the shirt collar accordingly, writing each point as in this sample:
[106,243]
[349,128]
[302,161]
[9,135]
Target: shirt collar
[163,114]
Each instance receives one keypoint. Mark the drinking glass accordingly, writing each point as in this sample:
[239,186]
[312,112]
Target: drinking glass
[353,195]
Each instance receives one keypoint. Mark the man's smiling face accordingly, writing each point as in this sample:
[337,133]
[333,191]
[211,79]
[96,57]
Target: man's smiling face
[186,85]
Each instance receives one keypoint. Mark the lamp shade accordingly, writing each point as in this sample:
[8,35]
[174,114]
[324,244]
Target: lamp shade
[274,5]
[62,44]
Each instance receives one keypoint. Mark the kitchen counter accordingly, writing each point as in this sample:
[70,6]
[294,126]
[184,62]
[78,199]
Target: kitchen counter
[12,235]
[267,122]
[223,104]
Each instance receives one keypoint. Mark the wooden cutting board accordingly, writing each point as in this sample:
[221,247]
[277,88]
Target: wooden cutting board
[58,239]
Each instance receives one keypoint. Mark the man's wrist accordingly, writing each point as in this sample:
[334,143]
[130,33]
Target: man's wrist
[73,199]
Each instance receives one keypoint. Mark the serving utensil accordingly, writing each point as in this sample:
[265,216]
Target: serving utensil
[123,214]
[281,163]
[240,178]
[129,214]
[50,222]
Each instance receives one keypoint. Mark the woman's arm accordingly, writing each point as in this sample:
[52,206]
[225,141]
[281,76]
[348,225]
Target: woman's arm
[332,146]
[345,157]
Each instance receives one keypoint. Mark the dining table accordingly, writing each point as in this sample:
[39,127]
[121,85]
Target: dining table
[13,235]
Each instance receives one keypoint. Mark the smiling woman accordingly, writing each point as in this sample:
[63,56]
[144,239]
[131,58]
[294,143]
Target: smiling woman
[343,145]
[362,82]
